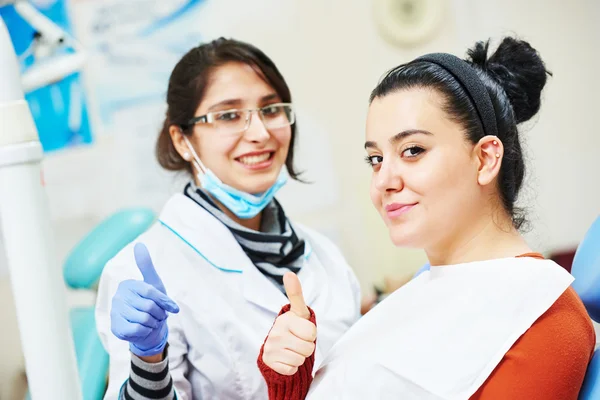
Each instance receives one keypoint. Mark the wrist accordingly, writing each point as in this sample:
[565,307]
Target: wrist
[152,351]
[155,359]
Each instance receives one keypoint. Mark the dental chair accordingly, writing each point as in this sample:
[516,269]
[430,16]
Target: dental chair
[586,270]
[424,268]
[82,270]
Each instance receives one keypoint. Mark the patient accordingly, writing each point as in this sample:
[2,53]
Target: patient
[492,319]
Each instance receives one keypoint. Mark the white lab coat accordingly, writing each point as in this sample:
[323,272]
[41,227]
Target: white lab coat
[227,306]
[441,335]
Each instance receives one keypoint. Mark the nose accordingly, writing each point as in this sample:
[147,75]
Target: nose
[389,178]
[257,131]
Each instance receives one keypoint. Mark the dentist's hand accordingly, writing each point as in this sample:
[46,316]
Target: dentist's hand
[292,337]
[139,309]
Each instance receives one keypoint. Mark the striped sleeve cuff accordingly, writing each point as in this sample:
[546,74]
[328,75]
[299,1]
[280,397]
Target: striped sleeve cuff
[149,380]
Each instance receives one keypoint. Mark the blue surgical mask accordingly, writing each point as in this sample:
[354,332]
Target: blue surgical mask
[243,205]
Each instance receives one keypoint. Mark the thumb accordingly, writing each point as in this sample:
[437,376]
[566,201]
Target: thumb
[146,267]
[293,289]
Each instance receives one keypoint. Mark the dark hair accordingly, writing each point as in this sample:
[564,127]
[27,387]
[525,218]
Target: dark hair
[513,76]
[188,83]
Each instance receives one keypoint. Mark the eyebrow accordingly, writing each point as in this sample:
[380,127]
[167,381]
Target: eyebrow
[398,137]
[238,102]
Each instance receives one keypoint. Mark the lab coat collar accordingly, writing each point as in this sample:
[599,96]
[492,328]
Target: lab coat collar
[213,241]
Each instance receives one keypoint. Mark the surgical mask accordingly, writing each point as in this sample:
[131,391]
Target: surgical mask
[243,205]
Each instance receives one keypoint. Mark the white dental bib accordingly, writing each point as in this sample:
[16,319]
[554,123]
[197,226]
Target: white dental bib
[441,335]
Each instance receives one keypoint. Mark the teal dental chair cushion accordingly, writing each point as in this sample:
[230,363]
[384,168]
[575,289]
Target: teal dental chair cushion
[92,359]
[84,264]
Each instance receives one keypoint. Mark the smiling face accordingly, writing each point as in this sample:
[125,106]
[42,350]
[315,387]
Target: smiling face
[249,160]
[429,183]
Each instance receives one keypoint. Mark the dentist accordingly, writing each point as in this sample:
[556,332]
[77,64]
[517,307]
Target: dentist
[184,310]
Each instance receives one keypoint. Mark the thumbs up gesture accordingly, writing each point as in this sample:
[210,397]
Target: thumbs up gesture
[139,309]
[292,338]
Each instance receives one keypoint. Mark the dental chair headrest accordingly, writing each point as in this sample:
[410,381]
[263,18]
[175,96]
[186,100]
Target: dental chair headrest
[586,270]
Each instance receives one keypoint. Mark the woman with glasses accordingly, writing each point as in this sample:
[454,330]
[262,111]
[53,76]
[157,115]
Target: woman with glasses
[214,261]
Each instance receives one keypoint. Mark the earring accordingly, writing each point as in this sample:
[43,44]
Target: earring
[495,143]
[186,156]
[497,155]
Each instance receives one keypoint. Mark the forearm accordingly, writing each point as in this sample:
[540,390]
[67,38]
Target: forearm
[149,378]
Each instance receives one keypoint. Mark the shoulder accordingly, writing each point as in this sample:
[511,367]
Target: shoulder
[118,264]
[163,253]
[323,246]
[563,338]
[566,323]
[317,240]
[329,253]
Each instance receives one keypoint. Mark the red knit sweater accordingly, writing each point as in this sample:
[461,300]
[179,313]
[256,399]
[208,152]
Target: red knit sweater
[548,362]
[292,387]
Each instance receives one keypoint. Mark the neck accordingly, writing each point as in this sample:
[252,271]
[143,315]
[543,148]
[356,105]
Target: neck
[487,239]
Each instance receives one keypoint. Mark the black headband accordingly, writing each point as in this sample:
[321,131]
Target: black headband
[465,74]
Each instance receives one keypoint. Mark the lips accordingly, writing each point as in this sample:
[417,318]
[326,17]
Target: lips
[251,160]
[257,161]
[396,209]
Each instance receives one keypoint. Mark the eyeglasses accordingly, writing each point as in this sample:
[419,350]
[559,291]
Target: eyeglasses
[236,121]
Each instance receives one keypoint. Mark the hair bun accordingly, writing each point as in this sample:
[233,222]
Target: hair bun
[518,69]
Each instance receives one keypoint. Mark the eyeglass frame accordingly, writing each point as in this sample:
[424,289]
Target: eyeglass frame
[205,118]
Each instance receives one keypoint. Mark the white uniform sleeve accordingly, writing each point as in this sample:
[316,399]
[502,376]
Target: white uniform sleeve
[116,271]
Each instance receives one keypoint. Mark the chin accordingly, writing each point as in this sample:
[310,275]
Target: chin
[403,236]
[256,184]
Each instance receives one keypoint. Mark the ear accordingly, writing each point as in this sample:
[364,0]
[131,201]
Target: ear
[177,137]
[489,151]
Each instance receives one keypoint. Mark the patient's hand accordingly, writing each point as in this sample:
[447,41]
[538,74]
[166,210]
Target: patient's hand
[292,338]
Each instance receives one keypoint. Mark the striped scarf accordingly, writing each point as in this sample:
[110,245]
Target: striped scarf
[274,250]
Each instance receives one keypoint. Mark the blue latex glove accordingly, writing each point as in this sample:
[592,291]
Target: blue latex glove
[139,309]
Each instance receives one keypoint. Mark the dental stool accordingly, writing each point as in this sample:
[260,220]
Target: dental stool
[82,270]
[586,270]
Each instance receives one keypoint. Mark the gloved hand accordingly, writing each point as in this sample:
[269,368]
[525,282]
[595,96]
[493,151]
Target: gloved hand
[139,309]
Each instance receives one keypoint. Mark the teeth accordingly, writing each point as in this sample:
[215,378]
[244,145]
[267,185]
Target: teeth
[251,160]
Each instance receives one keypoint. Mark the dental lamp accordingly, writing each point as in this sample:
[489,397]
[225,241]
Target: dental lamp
[36,279]
[48,39]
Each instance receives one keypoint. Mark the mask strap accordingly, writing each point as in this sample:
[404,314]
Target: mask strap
[196,160]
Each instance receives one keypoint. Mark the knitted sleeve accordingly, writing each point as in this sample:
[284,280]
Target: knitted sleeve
[293,387]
